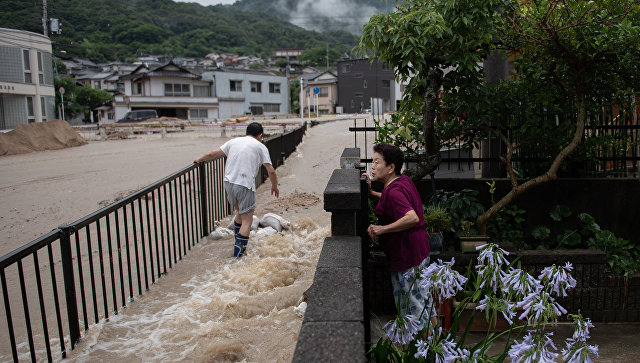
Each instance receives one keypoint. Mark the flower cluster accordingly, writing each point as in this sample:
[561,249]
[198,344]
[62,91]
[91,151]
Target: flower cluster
[503,292]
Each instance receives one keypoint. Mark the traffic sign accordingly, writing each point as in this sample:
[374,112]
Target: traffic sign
[316,90]
[61,89]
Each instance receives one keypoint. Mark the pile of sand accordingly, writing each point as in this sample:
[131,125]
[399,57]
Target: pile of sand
[39,136]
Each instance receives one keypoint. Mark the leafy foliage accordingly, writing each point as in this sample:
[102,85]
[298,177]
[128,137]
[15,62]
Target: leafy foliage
[623,257]
[122,29]
[462,206]
[507,226]
[79,99]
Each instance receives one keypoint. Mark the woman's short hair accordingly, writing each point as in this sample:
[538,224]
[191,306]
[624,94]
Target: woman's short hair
[254,129]
[391,155]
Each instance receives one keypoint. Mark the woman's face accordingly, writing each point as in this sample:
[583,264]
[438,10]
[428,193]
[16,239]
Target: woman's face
[380,170]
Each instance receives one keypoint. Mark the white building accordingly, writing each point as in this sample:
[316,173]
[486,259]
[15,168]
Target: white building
[171,90]
[242,91]
[27,93]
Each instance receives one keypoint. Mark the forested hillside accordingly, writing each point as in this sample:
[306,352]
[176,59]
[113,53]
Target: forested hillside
[104,30]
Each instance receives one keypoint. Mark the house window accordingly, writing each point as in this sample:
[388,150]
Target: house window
[364,84]
[256,110]
[274,87]
[110,116]
[357,75]
[346,68]
[26,64]
[235,86]
[256,87]
[31,117]
[96,84]
[324,92]
[40,69]
[386,66]
[137,88]
[386,83]
[201,91]
[198,113]
[353,104]
[43,108]
[271,107]
[177,89]
[358,94]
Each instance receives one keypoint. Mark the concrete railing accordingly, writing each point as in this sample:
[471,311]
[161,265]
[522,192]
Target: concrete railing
[335,327]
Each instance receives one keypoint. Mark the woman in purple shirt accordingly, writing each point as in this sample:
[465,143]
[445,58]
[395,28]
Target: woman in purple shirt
[401,231]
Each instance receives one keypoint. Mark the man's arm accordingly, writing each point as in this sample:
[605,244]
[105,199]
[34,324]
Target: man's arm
[273,178]
[210,155]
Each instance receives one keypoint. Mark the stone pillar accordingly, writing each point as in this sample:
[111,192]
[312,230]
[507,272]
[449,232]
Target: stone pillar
[342,199]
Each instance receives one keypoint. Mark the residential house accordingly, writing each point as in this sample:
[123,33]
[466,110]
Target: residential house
[243,91]
[360,81]
[326,85]
[27,92]
[171,90]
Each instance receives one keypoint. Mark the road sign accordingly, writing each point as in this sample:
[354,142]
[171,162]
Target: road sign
[316,90]
[61,89]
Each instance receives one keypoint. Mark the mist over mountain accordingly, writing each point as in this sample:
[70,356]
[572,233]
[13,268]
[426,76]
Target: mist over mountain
[320,15]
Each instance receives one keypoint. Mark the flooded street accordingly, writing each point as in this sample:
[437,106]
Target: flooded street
[212,307]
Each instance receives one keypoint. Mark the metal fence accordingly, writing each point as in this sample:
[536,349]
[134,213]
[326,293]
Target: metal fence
[86,272]
[618,125]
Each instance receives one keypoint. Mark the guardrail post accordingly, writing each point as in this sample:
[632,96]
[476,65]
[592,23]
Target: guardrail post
[69,284]
[204,216]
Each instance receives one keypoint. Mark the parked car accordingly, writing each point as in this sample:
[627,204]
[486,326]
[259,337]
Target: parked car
[138,115]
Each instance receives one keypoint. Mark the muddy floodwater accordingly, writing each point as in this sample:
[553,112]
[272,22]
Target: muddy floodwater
[209,306]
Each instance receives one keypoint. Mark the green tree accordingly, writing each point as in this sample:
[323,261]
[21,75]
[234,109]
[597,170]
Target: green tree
[318,56]
[571,56]
[89,98]
[421,39]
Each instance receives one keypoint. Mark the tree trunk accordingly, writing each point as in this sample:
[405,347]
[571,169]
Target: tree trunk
[430,160]
[551,174]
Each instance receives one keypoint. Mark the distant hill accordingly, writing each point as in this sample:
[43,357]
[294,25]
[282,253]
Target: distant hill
[104,30]
[320,15]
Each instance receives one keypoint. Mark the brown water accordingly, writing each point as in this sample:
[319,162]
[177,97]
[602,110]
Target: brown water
[210,306]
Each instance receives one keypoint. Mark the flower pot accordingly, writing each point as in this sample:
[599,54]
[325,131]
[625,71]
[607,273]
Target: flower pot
[469,243]
[436,243]
[480,323]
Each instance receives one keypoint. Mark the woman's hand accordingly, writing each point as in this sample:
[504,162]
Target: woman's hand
[374,231]
[366,176]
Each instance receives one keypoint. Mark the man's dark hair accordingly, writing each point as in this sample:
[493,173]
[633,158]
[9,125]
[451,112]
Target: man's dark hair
[254,129]
[391,155]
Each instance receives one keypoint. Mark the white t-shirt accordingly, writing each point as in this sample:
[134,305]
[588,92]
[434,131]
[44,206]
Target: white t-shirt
[244,157]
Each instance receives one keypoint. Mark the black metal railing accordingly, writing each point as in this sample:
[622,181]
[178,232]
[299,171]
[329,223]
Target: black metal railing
[619,125]
[85,272]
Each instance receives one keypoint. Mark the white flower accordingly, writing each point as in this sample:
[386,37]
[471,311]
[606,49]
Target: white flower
[491,255]
[493,303]
[579,351]
[402,329]
[533,349]
[558,280]
[519,283]
[543,305]
[441,279]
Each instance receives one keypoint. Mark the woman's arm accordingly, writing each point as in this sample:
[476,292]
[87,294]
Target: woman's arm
[407,221]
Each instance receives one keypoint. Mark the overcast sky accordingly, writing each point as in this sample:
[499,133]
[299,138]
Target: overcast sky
[207,2]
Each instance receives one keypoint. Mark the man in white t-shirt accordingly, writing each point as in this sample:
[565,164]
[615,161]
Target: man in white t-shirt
[244,157]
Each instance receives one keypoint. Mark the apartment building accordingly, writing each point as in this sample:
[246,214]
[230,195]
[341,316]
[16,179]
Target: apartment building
[27,92]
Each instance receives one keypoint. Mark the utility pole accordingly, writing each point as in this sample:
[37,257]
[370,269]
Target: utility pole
[327,56]
[45,19]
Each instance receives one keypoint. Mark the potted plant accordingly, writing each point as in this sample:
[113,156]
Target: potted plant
[469,241]
[436,220]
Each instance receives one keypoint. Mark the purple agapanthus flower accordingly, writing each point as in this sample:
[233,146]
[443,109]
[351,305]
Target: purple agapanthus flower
[441,279]
[403,329]
[537,348]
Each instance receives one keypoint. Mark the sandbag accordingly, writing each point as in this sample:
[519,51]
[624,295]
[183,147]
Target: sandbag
[263,232]
[254,224]
[221,233]
[274,221]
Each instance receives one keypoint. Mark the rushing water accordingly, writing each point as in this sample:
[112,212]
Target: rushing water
[216,308]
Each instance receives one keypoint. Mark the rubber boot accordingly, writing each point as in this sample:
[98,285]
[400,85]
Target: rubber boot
[240,246]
